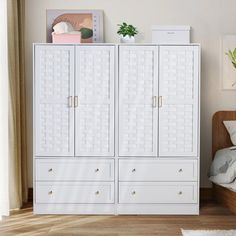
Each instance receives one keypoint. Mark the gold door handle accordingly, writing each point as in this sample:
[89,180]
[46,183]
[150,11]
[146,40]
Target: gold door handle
[160,101]
[70,101]
[76,101]
[154,101]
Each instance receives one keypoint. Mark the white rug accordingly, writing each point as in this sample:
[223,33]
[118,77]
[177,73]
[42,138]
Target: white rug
[209,232]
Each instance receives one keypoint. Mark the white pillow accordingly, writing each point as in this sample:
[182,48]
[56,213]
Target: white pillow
[63,27]
[231,128]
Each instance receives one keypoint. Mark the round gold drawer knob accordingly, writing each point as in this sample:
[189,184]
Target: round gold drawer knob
[50,192]
[180,192]
[96,170]
[133,192]
[50,170]
[97,192]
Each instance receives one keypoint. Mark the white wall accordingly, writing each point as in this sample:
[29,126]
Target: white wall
[208,18]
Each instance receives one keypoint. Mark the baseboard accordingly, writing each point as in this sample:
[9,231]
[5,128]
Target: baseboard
[30,194]
[205,194]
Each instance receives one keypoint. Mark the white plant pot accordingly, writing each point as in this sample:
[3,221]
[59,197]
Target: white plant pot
[127,39]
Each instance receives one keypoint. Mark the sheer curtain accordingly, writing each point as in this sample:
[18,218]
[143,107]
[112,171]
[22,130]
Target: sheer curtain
[4,182]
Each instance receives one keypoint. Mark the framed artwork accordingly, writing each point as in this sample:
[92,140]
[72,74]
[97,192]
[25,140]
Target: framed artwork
[88,22]
[227,67]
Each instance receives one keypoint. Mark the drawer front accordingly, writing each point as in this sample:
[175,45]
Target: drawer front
[158,170]
[74,170]
[143,192]
[68,192]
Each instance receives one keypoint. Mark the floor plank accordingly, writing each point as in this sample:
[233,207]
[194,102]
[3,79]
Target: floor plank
[24,223]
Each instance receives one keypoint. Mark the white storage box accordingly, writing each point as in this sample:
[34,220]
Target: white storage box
[163,34]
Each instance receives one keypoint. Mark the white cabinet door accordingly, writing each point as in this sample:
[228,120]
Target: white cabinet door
[54,88]
[179,94]
[138,89]
[94,114]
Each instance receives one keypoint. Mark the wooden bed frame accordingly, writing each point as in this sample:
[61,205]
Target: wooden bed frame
[221,139]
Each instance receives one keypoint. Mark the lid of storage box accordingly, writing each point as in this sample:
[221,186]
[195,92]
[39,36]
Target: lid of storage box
[171,27]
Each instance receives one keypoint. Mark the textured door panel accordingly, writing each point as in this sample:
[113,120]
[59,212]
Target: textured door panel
[54,84]
[95,111]
[178,114]
[137,88]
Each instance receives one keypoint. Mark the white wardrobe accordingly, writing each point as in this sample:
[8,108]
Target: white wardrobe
[116,129]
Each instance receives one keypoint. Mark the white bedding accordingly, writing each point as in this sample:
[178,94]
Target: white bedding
[230,186]
[223,169]
[225,177]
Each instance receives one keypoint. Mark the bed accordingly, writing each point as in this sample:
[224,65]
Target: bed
[220,140]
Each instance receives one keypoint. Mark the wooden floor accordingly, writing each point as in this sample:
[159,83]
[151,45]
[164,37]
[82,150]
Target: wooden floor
[23,222]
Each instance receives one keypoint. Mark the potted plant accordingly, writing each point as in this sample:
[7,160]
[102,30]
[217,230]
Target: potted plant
[127,33]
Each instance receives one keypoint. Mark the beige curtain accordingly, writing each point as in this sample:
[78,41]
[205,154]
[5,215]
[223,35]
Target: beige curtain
[4,177]
[17,107]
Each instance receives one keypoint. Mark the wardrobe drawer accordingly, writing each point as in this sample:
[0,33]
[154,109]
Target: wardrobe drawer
[151,192]
[74,170]
[158,170]
[69,192]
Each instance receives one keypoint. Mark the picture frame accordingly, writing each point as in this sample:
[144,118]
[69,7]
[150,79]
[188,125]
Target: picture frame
[228,71]
[87,19]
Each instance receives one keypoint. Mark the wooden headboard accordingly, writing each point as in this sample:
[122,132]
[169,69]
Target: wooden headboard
[220,136]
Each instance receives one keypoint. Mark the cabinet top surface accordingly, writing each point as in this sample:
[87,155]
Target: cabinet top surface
[114,44]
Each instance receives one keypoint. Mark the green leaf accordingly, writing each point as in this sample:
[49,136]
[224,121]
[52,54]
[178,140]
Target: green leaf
[86,33]
[125,29]
[234,53]
[232,56]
